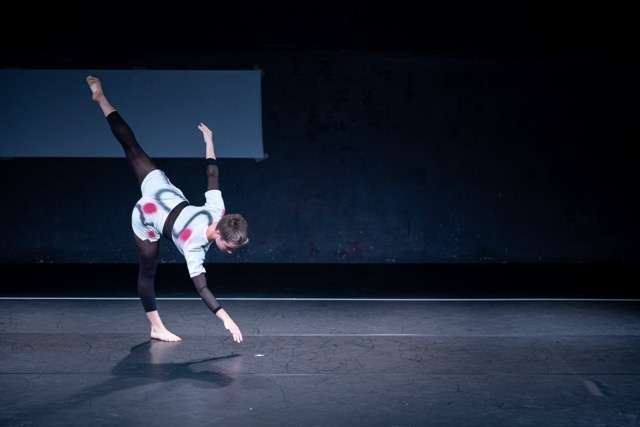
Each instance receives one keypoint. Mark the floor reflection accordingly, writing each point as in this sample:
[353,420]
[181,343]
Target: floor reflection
[147,363]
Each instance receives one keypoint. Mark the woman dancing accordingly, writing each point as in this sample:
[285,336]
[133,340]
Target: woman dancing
[164,210]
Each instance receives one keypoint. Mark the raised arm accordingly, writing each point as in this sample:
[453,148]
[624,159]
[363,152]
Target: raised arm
[210,156]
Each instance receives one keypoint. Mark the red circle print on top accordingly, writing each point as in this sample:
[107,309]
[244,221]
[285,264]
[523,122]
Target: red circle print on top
[151,234]
[185,234]
[149,208]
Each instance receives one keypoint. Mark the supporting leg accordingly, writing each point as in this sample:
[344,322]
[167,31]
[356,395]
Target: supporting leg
[148,261]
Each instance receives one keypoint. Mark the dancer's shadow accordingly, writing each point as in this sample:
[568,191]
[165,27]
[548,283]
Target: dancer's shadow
[145,364]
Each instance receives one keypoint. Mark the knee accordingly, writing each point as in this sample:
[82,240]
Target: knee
[148,266]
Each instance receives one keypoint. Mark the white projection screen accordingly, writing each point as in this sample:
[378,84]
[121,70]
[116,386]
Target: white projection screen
[49,113]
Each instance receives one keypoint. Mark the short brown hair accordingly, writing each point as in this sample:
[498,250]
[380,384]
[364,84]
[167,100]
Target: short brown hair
[233,229]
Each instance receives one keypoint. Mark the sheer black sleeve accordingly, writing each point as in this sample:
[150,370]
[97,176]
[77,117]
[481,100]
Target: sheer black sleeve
[212,175]
[200,282]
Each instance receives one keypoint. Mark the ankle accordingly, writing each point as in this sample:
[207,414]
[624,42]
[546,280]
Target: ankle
[155,321]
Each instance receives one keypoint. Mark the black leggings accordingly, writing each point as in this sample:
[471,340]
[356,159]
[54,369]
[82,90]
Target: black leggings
[147,251]
[138,159]
[147,264]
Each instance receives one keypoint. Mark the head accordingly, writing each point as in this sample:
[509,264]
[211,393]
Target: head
[231,233]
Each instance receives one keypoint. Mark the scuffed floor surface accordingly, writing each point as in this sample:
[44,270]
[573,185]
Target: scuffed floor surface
[322,363]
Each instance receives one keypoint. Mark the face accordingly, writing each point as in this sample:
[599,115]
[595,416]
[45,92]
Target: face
[225,246]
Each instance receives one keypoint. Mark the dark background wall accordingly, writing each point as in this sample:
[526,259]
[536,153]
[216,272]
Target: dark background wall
[397,151]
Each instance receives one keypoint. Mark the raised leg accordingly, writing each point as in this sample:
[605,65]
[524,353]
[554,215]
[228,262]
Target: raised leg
[138,159]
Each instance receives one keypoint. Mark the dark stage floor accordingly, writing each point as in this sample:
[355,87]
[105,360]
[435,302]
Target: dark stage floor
[319,363]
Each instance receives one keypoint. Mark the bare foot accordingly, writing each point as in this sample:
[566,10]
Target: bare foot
[96,87]
[164,335]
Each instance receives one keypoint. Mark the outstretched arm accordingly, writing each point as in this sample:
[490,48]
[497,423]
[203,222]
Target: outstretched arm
[212,164]
[200,282]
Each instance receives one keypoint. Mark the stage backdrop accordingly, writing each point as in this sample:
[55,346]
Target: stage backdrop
[372,159]
[49,113]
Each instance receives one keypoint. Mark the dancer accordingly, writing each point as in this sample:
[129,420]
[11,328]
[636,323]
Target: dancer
[164,210]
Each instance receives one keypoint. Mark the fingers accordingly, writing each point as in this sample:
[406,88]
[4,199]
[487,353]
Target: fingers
[237,336]
[235,332]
